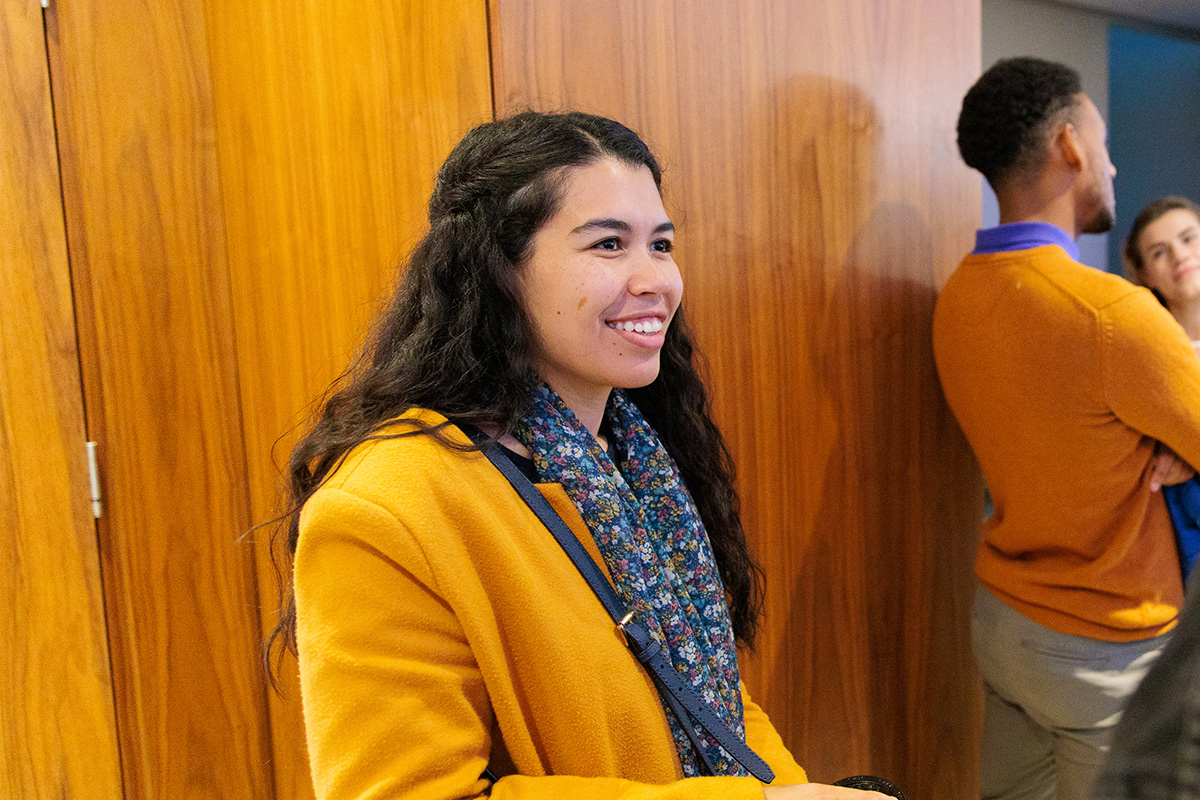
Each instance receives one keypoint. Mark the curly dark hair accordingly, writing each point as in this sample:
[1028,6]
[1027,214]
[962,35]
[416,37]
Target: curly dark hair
[1006,115]
[1133,258]
[455,338]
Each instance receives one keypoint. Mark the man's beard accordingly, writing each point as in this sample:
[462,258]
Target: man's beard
[1102,222]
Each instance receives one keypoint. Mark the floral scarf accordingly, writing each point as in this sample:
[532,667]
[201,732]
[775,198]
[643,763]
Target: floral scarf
[654,544]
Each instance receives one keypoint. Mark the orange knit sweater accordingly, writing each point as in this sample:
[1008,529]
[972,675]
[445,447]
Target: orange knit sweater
[442,629]
[1062,378]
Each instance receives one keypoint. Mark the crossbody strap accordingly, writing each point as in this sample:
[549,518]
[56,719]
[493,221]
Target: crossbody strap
[680,696]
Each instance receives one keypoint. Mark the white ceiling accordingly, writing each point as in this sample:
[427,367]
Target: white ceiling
[1175,13]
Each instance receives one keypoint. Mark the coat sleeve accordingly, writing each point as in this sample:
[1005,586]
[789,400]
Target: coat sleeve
[394,702]
[764,740]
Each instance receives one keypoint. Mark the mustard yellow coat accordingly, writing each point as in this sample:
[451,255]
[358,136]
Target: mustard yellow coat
[442,629]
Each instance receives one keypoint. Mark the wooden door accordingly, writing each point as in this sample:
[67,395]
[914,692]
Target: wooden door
[240,183]
[811,167]
[145,225]
[57,732]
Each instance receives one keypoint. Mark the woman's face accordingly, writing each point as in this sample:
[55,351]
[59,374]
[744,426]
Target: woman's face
[601,286]
[1170,251]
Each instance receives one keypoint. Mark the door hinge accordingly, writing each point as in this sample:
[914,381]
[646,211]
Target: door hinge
[94,478]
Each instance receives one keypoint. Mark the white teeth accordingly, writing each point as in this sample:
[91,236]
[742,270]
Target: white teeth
[650,326]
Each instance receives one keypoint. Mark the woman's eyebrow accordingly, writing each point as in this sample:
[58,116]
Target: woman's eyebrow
[606,223]
[613,224]
[1165,242]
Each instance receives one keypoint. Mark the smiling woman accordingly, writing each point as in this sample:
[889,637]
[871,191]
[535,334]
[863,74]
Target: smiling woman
[1163,254]
[448,647]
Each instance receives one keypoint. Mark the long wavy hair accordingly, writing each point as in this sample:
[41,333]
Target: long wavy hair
[455,338]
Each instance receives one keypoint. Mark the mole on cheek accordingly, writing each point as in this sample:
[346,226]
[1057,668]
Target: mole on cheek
[579,307]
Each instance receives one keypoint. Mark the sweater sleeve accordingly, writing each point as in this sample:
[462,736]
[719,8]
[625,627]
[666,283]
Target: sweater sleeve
[1151,375]
[394,701]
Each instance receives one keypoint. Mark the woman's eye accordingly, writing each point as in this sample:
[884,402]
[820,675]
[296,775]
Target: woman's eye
[610,243]
[663,246]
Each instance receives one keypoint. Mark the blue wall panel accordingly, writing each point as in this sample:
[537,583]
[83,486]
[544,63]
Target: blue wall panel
[1153,123]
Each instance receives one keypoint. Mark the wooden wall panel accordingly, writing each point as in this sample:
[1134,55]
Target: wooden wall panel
[811,167]
[332,119]
[57,732]
[147,242]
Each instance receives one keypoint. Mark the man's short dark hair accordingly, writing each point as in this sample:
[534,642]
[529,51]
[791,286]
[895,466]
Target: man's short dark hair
[1007,113]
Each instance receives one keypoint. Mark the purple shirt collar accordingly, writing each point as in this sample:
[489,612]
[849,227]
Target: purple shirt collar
[1023,236]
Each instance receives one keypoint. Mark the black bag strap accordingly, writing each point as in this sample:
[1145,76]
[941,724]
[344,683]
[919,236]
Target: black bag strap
[682,699]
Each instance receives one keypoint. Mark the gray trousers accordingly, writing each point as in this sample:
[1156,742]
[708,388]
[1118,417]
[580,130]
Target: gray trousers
[1051,701]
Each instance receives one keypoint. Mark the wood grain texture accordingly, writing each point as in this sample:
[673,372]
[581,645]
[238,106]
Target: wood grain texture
[811,168]
[146,236]
[331,119]
[58,734]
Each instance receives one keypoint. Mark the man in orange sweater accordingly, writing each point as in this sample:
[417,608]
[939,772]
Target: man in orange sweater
[1065,380]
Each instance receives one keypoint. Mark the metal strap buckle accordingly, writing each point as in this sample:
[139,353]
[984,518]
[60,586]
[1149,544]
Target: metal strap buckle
[621,628]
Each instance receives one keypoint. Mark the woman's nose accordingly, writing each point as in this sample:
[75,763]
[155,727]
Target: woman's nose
[653,274]
[1177,253]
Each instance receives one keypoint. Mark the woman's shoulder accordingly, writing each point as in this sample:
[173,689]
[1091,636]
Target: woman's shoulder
[407,488]
[407,452]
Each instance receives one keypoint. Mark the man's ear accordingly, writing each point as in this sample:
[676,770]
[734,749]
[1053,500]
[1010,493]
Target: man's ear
[1070,146]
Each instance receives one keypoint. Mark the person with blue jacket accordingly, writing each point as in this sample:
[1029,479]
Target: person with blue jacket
[1163,254]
